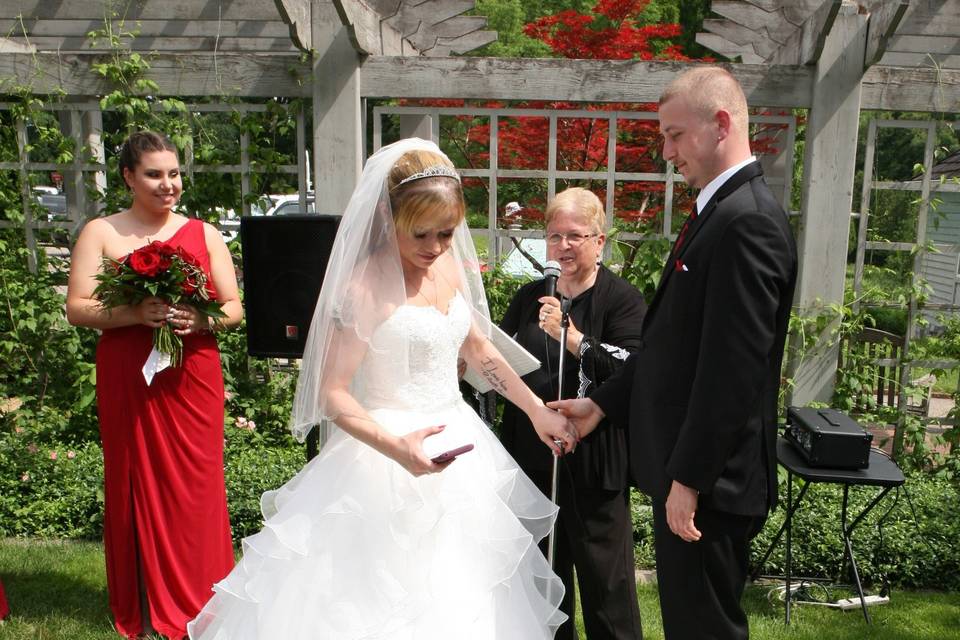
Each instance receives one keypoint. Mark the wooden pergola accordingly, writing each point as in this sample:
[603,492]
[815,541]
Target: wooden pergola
[831,57]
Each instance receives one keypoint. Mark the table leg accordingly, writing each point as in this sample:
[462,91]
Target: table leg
[849,553]
[848,532]
[790,508]
[789,564]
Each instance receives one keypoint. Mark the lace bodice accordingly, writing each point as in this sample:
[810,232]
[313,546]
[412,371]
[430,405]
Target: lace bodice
[433,340]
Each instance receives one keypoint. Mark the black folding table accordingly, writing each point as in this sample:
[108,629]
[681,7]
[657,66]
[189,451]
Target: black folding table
[881,472]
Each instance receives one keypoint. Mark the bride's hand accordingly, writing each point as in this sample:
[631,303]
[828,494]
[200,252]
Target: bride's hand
[554,430]
[411,455]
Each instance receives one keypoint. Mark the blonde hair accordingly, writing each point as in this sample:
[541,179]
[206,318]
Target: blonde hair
[418,202]
[708,90]
[581,202]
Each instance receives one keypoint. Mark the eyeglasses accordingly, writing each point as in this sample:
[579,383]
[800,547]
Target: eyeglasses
[573,239]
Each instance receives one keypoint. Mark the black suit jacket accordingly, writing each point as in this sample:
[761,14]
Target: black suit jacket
[699,397]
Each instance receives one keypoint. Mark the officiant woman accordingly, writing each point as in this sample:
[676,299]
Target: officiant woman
[166,532]
[594,530]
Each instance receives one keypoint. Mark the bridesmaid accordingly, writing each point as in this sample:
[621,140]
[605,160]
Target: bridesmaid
[166,531]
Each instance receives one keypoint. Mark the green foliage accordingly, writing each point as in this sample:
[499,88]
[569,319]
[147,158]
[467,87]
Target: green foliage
[253,467]
[44,362]
[905,552]
[47,489]
[642,262]
[500,288]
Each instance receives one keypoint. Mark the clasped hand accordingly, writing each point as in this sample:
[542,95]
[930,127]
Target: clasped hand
[554,430]
[185,319]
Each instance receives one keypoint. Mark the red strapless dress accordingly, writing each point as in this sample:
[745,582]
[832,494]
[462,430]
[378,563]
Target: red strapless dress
[165,508]
[4,607]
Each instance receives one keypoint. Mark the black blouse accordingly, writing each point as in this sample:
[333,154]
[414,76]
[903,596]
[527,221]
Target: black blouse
[609,314]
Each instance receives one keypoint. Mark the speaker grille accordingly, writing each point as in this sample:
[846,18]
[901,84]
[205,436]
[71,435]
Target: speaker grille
[284,259]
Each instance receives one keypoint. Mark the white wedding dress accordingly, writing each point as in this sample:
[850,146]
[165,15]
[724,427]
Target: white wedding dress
[354,547]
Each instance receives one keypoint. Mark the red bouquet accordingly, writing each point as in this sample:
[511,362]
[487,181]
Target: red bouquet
[164,271]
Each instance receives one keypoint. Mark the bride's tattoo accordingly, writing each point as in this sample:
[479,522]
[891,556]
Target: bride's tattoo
[488,369]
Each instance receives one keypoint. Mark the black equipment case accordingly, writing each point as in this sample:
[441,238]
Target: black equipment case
[828,438]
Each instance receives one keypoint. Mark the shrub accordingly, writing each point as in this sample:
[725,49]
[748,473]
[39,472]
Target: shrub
[916,554]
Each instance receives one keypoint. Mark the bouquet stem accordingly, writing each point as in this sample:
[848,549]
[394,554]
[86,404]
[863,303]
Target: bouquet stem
[166,341]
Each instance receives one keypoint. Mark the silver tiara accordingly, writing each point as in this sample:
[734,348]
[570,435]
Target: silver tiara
[433,171]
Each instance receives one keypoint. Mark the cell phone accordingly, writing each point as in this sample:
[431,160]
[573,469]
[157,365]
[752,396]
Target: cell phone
[447,456]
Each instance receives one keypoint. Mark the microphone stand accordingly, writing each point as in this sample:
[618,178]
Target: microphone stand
[555,475]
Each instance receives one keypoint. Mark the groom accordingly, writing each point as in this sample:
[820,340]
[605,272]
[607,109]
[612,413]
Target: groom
[699,397]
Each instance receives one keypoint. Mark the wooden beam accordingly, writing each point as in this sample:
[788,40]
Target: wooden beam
[427,36]
[364,25]
[138,10]
[742,37]
[924,44]
[34,27]
[806,43]
[337,114]
[256,75]
[829,168]
[931,18]
[253,75]
[729,49]
[885,17]
[462,44]
[72,44]
[900,89]
[296,16]
[928,60]
[408,17]
[567,80]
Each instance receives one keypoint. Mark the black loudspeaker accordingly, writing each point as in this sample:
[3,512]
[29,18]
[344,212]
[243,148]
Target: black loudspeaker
[284,259]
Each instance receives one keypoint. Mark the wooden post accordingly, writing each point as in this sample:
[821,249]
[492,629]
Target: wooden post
[829,167]
[417,126]
[337,130]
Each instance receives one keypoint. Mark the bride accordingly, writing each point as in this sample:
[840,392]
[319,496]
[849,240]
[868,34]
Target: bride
[373,538]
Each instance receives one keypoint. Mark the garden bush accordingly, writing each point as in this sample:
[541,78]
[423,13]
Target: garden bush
[900,550]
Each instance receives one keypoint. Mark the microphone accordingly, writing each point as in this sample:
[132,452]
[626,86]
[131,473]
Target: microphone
[551,271]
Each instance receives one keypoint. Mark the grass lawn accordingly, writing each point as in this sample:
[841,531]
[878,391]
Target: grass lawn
[57,590]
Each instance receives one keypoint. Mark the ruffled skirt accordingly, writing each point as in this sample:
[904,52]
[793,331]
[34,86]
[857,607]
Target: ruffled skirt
[354,547]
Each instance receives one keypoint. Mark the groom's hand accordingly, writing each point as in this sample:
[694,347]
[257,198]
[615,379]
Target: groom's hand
[583,413]
[681,508]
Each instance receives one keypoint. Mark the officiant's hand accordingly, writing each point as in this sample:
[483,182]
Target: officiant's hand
[152,312]
[550,317]
[554,430]
[410,453]
[583,413]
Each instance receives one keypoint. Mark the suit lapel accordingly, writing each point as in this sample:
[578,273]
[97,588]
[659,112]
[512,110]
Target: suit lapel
[735,181]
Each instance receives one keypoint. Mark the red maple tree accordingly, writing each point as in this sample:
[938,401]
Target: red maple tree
[612,30]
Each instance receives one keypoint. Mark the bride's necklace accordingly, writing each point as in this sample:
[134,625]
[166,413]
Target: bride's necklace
[435,292]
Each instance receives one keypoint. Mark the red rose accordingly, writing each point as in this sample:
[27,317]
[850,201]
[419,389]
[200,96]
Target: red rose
[188,286]
[146,261]
[166,253]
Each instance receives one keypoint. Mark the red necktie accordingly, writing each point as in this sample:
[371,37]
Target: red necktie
[683,230]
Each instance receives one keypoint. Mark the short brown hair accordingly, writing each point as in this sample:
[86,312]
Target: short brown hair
[417,199]
[579,201]
[709,89]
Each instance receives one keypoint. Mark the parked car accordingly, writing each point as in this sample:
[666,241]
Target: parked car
[52,201]
[289,204]
[277,204]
